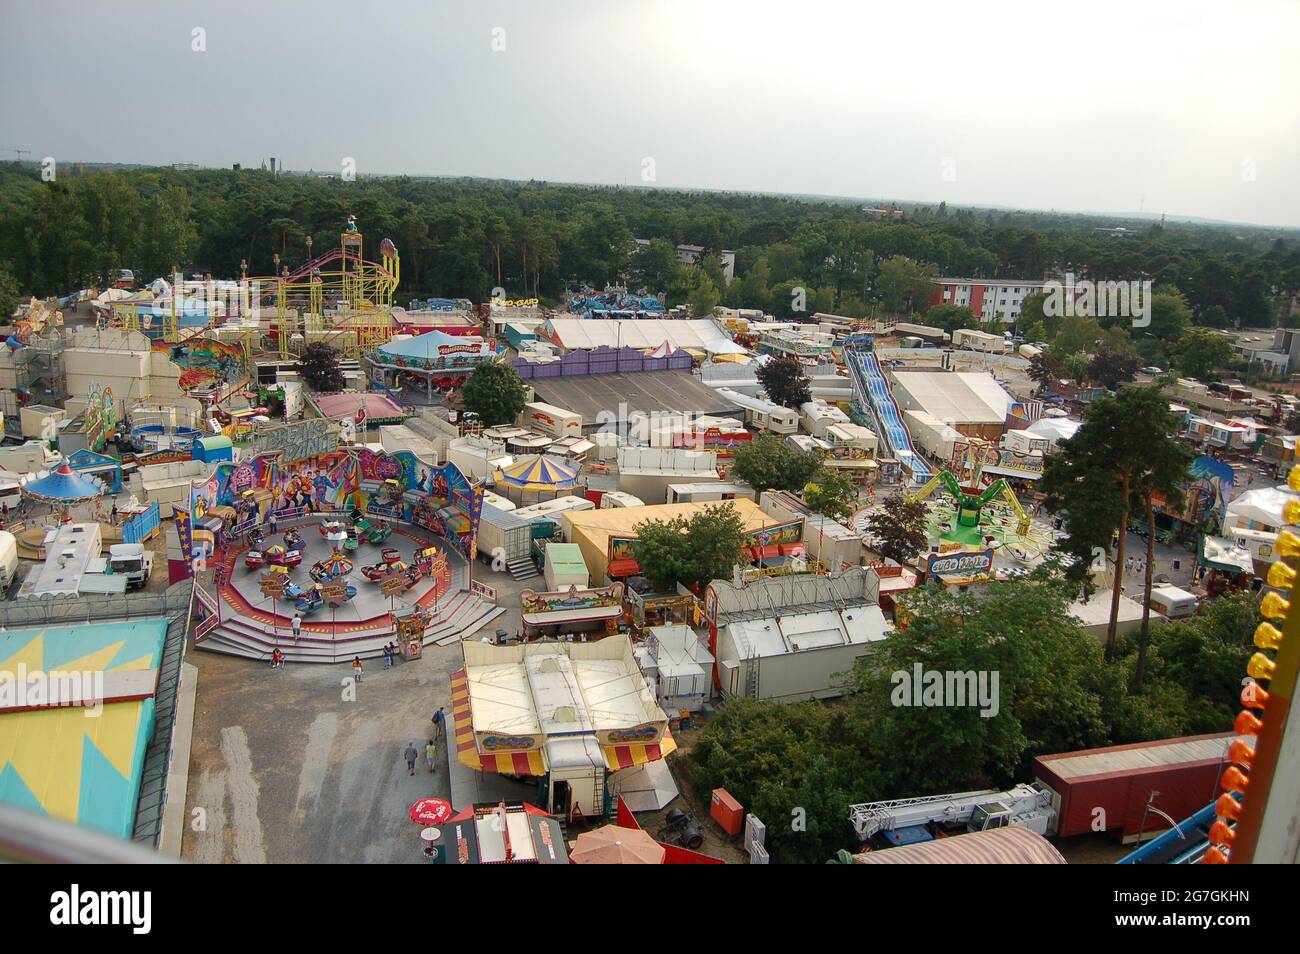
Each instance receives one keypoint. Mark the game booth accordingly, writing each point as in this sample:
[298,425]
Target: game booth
[357,544]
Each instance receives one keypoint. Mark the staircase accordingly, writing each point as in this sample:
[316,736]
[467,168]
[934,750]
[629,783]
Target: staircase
[459,617]
[522,569]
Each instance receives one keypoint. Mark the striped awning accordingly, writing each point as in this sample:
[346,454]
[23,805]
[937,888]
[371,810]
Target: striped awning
[625,756]
[467,753]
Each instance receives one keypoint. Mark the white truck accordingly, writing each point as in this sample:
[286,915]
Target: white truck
[911,820]
[133,561]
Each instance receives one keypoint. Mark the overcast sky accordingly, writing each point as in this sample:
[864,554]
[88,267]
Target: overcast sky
[1185,107]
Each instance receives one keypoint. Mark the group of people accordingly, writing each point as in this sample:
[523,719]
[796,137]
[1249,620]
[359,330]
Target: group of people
[412,754]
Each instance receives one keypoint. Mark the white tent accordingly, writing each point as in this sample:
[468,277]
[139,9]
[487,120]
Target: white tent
[1261,506]
[645,788]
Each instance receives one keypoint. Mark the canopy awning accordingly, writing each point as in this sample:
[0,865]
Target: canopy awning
[538,472]
[625,756]
[467,753]
[624,567]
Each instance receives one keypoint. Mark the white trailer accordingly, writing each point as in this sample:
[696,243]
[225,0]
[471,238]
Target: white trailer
[552,420]
[616,498]
[764,414]
[818,415]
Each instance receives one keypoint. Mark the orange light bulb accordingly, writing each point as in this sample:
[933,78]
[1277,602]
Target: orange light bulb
[1268,636]
[1227,807]
[1221,834]
[1247,723]
[1274,606]
[1260,666]
[1234,780]
[1213,856]
[1254,697]
[1281,576]
[1241,752]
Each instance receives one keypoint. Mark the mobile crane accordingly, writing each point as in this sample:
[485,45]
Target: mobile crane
[911,820]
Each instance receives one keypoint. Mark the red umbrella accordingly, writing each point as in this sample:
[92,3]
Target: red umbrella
[430,811]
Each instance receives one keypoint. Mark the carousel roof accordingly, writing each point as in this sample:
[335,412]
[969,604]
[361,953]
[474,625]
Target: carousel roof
[428,344]
[538,472]
[63,485]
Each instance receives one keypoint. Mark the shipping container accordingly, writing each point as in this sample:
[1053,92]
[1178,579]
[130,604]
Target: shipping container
[502,534]
[1124,788]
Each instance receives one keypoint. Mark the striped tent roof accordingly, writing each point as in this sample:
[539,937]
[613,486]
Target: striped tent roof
[1002,846]
[538,472]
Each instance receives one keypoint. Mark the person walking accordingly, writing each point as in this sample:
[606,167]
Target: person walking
[270,521]
[358,670]
[411,755]
[296,623]
[439,723]
[430,753]
[388,655]
[1128,566]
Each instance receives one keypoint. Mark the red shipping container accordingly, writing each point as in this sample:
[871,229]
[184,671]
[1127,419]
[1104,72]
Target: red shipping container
[727,812]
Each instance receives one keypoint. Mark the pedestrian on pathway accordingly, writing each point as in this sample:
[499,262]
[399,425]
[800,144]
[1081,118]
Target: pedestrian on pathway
[1141,568]
[430,752]
[277,659]
[1128,566]
[388,655]
[271,522]
[439,723]
[358,670]
[411,755]
[296,624]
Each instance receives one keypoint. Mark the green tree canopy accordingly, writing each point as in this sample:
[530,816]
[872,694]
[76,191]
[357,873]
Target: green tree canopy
[494,392]
[768,464]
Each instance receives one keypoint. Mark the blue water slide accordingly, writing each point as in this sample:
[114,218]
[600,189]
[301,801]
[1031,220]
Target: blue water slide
[1184,844]
[875,396]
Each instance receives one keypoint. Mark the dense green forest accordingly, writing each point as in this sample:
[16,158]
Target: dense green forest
[462,238]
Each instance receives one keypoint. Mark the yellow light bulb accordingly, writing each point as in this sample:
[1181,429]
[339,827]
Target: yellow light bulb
[1274,606]
[1291,511]
[1293,479]
[1268,636]
[1280,576]
[1260,666]
[1288,544]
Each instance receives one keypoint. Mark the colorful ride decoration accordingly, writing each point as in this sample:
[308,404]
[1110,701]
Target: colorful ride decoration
[971,501]
[338,481]
[334,567]
[410,630]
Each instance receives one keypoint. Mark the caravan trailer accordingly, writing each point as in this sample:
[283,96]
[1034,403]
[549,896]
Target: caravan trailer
[762,414]
[551,509]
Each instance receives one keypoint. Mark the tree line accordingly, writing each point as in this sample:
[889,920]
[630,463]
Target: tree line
[464,237]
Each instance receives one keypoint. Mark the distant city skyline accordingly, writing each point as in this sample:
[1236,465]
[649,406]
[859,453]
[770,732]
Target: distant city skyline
[1185,109]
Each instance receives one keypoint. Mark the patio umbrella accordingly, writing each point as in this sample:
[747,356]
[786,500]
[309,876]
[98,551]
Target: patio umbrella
[538,473]
[612,845]
[430,811]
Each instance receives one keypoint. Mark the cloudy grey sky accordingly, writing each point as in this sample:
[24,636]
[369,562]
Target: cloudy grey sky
[1183,107]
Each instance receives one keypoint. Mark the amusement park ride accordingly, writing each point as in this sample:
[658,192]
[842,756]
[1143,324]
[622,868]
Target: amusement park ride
[338,297]
[972,498]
